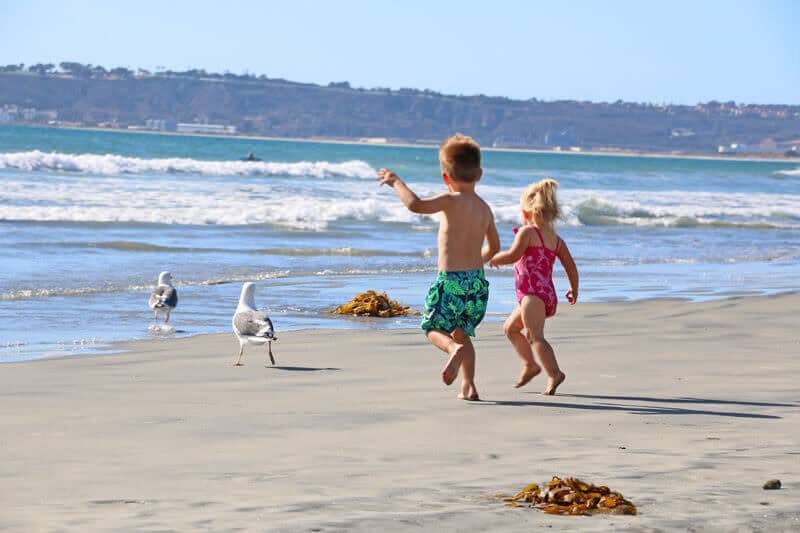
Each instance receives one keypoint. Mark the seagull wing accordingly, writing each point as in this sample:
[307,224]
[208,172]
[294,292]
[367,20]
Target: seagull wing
[253,323]
[163,296]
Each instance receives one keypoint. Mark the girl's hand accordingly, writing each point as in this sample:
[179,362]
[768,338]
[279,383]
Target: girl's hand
[387,177]
[493,262]
[572,296]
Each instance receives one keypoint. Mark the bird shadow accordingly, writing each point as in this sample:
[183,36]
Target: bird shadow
[301,368]
[633,409]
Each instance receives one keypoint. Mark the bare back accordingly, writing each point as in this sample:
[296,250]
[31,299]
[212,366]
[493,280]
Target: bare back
[464,224]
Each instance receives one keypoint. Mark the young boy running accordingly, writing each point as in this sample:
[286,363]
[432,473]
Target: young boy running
[456,302]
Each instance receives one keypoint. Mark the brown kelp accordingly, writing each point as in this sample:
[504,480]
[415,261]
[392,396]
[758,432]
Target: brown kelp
[372,303]
[571,496]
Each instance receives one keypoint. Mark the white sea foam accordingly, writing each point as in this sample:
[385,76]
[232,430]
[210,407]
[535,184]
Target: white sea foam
[671,208]
[295,204]
[110,165]
[149,200]
[794,172]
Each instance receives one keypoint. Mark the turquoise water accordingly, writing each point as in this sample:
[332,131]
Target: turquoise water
[88,220]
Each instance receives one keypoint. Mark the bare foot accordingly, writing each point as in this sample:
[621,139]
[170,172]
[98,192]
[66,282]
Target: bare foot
[469,393]
[450,370]
[553,383]
[238,364]
[528,373]
[470,398]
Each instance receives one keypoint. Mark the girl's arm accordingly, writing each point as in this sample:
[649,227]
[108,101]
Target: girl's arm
[572,271]
[512,255]
[414,203]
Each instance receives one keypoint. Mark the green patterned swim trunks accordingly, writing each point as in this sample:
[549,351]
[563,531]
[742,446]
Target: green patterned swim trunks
[456,300]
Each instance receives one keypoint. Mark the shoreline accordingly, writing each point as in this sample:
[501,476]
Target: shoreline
[354,431]
[767,158]
[117,347]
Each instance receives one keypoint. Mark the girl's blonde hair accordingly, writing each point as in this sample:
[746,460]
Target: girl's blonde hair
[539,200]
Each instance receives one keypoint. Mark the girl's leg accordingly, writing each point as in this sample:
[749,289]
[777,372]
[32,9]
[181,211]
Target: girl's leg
[468,389]
[513,330]
[533,317]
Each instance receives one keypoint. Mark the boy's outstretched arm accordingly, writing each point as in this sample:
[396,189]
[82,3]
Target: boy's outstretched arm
[516,251]
[572,271]
[413,202]
[492,241]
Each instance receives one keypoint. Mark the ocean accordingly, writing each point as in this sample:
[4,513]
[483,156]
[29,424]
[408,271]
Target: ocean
[88,219]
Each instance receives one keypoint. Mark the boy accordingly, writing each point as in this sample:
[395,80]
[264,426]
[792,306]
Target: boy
[457,300]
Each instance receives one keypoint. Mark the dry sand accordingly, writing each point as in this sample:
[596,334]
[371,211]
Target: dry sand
[687,409]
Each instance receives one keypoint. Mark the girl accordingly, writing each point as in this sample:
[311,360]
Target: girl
[534,252]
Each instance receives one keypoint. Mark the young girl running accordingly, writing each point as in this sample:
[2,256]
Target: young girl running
[533,253]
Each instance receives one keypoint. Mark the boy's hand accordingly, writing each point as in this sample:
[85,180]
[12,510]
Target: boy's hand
[387,177]
[493,263]
[572,296]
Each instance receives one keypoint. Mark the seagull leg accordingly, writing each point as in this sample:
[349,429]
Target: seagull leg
[269,349]
[241,351]
[166,319]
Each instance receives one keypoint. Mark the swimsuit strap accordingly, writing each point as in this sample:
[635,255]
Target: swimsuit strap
[539,233]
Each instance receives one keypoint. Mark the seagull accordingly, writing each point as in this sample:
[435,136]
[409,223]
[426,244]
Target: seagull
[164,297]
[250,326]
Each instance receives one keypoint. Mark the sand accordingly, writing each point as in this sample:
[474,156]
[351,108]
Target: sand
[687,409]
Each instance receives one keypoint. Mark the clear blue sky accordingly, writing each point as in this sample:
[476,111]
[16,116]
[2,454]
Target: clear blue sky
[647,51]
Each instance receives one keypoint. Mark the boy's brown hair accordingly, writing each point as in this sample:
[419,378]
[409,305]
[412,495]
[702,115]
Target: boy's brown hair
[460,158]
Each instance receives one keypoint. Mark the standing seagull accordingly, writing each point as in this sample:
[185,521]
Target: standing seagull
[250,326]
[164,297]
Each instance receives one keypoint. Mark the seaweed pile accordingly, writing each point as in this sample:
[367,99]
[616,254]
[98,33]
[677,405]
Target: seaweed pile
[372,303]
[571,496]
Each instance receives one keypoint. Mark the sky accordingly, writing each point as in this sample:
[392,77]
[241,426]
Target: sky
[679,51]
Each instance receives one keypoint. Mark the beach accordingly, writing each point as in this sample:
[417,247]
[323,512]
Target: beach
[88,220]
[686,408]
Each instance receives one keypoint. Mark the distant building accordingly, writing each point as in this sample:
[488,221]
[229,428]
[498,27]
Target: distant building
[156,124]
[31,114]
[733,148]
[8,113]
[217,129]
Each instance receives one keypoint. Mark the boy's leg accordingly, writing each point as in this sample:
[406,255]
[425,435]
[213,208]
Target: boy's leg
[533,317]
[513,330]
[454,349]
[468,389]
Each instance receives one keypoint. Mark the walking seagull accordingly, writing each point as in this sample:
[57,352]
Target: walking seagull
[164,297]
[251,326]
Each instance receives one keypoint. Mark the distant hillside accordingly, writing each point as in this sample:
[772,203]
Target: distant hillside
[286,109]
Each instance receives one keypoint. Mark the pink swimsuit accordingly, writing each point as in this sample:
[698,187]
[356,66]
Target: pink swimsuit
[533,274]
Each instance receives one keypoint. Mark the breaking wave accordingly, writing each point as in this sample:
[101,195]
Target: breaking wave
[300,204]
[112,165]
[687,210]
[792,173]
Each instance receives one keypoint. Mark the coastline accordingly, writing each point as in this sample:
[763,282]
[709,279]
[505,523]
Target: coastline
[771,158]
[680,406]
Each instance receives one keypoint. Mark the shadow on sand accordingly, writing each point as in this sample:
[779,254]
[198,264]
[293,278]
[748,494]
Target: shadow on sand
[646,409]
[301,368]
[707,401]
